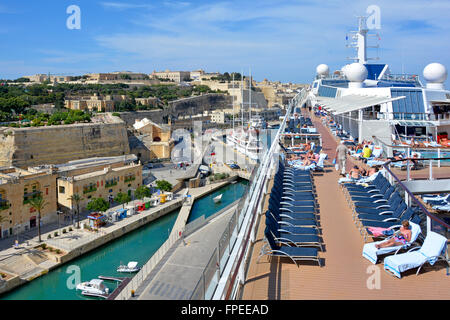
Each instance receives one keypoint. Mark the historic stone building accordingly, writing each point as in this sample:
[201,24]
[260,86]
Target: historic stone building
[17,188]
[105,183]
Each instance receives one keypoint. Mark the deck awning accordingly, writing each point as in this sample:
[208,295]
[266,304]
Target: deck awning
[412,123]
[441,101]
[352,102]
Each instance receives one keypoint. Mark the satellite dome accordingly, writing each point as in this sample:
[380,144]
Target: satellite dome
[355,72]
[322,70]
[435,73]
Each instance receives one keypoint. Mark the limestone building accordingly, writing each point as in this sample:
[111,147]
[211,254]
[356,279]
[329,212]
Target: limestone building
[175,76]
[93,103]
[17,188]
[151,141]
[103,183]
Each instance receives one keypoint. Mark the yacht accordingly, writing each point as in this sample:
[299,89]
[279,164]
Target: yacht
[93,287]
[218,198]
[257,122]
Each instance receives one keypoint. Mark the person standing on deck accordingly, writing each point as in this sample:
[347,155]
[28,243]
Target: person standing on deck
[341,157]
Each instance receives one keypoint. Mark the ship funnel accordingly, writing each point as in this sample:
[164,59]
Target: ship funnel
[435,74]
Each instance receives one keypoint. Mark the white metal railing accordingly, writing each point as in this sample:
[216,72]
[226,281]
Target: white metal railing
[217,280]
[234,270]
[139,278]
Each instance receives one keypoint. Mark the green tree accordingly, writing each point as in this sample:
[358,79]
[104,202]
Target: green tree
[122,198]
[76,198]
[142,192]
[98,204]
[38,204]
[164,185]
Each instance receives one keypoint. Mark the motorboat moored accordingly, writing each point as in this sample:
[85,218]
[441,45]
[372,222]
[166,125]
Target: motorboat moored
[132,266]
[218,198]
[93,287]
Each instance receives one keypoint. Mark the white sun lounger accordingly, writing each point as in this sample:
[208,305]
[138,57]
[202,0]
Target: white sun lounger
[434,248]
[371,253]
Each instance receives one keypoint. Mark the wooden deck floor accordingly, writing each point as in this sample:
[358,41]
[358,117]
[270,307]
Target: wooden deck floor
[345,274]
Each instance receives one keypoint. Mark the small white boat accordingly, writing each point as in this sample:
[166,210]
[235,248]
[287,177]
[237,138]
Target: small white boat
[218,198]
[95,287]
[130,267]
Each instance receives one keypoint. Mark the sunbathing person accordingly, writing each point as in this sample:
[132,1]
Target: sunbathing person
[355,173]
[401,237]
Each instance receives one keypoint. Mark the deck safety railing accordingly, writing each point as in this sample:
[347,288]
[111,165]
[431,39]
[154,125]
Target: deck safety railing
[145,271]
[234,246]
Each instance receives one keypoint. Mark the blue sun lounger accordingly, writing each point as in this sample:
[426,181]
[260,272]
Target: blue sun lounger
[296,254]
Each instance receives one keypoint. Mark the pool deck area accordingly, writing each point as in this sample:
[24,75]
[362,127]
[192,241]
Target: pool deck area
[345,274]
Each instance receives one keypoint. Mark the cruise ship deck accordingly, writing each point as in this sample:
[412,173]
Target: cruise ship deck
[345,274]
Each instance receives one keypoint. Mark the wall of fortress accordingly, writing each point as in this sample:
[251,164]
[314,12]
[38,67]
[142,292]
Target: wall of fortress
[24,147]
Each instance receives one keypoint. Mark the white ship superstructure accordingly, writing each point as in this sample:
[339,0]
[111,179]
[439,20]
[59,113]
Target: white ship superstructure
[368,100]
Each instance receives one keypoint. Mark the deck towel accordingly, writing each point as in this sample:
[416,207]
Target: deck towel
[433,246]
[371,253]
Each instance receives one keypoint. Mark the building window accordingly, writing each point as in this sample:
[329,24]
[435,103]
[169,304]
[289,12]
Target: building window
[90,188]
[61,190]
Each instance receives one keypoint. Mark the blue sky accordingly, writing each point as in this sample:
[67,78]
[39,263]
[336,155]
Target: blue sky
[278,39]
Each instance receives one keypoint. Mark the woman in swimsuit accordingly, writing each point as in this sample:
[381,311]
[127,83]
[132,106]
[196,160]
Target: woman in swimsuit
[403,237]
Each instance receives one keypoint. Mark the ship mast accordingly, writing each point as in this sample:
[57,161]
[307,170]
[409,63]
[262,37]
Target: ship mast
[242,100]
[233,102]
[359,41]
[250,97]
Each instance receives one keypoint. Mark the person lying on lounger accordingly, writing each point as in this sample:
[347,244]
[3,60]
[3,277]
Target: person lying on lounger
[401,237]
[355,173]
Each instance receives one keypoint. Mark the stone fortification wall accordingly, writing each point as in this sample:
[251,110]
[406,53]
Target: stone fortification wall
[157,116]
[182,107]
[197,105]
[24,147]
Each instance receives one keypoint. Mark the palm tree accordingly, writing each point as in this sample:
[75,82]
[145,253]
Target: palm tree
[38,204]
[77,199]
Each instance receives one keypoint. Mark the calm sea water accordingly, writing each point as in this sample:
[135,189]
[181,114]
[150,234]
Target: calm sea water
[206,206]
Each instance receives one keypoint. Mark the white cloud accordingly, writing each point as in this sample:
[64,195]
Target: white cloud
[124,5]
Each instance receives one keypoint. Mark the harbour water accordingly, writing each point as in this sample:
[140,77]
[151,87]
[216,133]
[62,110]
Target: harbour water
[206,206]
[139,245]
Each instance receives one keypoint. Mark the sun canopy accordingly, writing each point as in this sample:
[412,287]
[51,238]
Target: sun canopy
[412,123]
[352,102]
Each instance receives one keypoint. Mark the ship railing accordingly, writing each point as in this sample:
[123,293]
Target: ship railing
[408,116]
[138,279]
[401,77]
[225,271]
[434,222]
[436,154]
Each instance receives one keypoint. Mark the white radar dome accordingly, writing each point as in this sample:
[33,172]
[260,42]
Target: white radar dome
[322,70]
[435,73]
[356,72]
